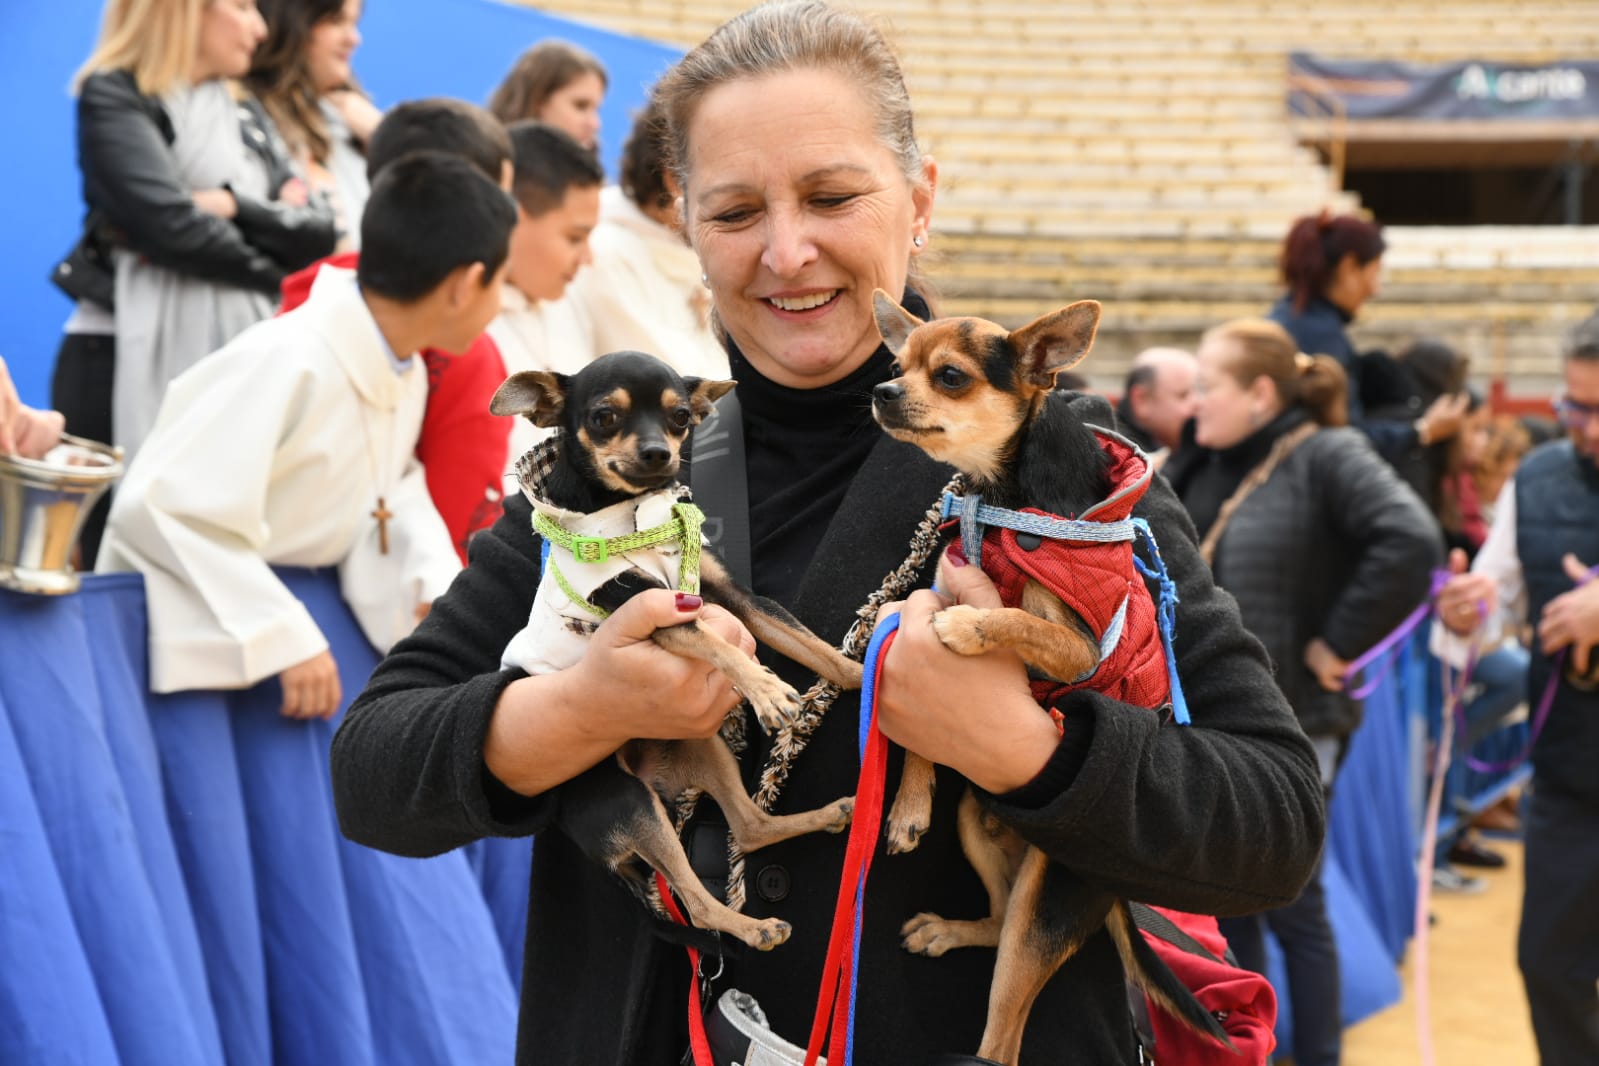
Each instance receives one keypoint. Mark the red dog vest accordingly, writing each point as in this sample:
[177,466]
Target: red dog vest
[1097,580]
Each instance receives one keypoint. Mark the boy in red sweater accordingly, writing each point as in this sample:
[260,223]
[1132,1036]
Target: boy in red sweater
[463,448]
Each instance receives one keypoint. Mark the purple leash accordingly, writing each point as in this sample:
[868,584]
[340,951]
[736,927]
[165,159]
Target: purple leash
[1384,649]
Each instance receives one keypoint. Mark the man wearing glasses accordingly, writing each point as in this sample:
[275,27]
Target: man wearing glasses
[1534,568]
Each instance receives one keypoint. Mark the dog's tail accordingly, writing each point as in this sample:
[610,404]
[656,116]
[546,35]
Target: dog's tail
[1149,972]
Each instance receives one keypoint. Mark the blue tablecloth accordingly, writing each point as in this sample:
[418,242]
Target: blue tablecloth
[173,886]
[174,890]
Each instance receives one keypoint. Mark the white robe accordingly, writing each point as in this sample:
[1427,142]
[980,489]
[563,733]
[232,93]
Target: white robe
[538,335]
[274,450]
[643,292]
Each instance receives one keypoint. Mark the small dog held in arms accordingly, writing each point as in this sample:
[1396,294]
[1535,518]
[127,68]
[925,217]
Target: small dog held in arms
[615,522]
[982,399]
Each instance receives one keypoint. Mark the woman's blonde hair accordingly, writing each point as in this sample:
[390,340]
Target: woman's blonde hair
[793,35]
[155,40]
[785,35]
[1316,383]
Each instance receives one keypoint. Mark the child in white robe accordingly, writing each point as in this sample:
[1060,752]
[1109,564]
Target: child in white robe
[294,446]
[557,183]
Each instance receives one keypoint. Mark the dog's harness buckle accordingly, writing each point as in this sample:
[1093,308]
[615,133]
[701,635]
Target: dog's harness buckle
[590,549]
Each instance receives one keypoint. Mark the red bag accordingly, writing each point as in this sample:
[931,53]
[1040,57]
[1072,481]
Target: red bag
[1242,1000]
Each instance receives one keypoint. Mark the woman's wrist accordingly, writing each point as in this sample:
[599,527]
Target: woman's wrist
[1018,755]
[540,735]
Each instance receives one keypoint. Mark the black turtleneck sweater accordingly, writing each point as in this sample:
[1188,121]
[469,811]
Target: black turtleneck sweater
[1206,477]
[802,447]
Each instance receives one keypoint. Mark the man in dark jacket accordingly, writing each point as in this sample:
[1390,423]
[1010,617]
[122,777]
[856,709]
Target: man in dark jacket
[1534,566]
[1157,398]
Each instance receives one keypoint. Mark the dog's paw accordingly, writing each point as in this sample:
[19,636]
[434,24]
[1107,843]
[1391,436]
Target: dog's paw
[908,822]
[841,811]
[960,629]
[768,933]
[924,935]
[776,704]
[928,934]
[904,836]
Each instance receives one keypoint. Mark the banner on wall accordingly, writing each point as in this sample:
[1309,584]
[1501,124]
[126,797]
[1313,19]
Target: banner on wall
[1472,90]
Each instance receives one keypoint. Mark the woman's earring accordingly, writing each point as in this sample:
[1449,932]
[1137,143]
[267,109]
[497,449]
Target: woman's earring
[919,240]
[705,279]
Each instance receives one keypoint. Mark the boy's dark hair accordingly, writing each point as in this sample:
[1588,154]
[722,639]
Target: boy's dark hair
[548,162]
[644,160]
[430,213]
[440,124]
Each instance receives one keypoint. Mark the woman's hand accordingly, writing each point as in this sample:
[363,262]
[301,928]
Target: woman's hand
[1442,419]
[1459,599]
[974,713]
[642,689]
[358,113]
[1322,661]
[547,730]
[218,202]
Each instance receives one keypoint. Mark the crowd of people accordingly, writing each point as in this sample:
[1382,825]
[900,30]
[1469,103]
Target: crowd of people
[292,307]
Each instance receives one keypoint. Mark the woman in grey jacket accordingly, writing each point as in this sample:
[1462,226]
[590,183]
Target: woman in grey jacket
[1326,550]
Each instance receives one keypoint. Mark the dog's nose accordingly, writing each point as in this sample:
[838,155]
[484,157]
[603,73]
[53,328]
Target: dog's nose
[889,392]
[654,455]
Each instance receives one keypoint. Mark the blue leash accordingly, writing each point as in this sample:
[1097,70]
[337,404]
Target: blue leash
[869,682]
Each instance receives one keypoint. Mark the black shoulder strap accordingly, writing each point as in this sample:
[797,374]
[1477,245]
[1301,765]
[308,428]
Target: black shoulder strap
[1157,924]
[721,489]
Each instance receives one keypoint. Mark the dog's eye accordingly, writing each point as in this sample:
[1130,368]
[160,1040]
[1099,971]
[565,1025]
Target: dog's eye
[604,419]
[679,418]
[951,377]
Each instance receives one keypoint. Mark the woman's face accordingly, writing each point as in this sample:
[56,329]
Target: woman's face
[575,108]
[798,212]
[230,32]
[332,43]
[1353,283]
[1226,411]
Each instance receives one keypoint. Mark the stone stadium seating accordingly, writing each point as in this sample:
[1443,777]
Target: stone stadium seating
[1139,152]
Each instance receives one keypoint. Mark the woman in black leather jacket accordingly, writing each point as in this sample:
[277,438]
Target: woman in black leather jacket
[155,113]
[1326,551]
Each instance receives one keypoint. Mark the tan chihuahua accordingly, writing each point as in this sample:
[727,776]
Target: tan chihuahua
[982,399]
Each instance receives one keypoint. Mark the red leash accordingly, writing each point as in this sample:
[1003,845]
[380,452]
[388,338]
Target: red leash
[865,828]
[696,1015]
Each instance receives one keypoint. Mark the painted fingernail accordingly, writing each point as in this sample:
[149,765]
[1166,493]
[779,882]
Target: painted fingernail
[956,556]
[687,601]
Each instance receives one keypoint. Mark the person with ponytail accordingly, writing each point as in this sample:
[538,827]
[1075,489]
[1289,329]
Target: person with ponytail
[1332,264]
[1326,551]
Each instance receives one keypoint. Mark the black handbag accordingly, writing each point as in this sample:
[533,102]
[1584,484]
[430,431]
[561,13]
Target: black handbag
[87,272]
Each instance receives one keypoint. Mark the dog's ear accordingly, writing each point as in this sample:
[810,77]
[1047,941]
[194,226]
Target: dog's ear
[893,321]
[1057,341]
[537,395]
[702,393]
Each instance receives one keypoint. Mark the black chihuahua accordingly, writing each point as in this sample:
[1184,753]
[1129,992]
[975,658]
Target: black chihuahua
[616,522]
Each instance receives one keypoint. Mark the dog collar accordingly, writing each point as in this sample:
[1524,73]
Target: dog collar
[683,529]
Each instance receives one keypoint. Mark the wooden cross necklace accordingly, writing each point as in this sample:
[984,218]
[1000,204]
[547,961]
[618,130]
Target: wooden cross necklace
[381,512]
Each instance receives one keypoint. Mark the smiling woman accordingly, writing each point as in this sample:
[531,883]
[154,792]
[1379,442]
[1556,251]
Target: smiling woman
[302,75]
[804,191]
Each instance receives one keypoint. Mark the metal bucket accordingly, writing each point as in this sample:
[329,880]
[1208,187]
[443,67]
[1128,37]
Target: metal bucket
[43,505]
